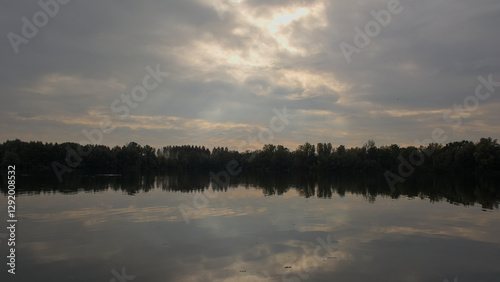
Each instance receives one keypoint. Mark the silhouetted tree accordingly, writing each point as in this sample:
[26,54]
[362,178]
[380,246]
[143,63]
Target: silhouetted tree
[483,156]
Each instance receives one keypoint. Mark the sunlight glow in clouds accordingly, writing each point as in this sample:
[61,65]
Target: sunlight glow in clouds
[54,84]
[287,17]
[233,61]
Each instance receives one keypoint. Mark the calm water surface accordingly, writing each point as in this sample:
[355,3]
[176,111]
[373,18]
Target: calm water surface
[104,228]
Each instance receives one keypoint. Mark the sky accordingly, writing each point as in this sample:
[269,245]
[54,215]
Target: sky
[244,73]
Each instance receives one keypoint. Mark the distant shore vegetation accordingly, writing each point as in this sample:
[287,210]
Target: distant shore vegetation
[460,156]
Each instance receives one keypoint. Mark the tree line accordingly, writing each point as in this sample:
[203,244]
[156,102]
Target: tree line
[36,156]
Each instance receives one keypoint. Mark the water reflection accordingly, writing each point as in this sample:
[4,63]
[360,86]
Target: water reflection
[257,228]
[456,189]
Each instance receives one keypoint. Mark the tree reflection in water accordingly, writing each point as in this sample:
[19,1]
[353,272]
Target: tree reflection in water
[456,189]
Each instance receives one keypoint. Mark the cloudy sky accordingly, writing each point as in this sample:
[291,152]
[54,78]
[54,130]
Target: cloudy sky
[234,64]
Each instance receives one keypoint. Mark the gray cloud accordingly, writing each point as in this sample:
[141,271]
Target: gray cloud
[232,62]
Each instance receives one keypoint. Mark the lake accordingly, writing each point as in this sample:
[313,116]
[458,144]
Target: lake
[260,227]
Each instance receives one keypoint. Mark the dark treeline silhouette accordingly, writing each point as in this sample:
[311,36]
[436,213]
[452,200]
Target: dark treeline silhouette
[463,189]
[30,157]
